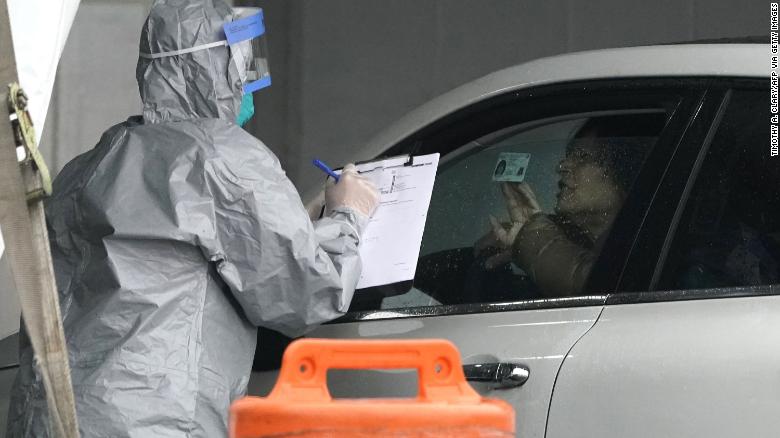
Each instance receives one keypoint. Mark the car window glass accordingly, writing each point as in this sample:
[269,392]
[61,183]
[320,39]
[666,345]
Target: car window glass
[545,231]
[729,232]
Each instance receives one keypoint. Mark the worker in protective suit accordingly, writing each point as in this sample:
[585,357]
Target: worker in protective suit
[178,235]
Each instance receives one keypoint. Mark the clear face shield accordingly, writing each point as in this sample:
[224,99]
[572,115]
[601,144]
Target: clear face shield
[247,41]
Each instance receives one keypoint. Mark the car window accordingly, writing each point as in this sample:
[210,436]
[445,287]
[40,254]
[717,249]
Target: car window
[568,175]
[729,231]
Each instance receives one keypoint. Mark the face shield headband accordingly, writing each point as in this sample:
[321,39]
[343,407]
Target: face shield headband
[246,38]
[248,48]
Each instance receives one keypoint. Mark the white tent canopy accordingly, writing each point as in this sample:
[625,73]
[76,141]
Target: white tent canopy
[39,29]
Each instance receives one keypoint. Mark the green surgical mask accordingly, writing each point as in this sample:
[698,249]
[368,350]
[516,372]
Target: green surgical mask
[247,109]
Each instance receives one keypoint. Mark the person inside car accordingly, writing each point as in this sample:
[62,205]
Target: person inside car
[557,251]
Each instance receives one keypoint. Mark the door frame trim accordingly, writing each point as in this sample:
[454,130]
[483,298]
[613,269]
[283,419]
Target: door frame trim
[464,309]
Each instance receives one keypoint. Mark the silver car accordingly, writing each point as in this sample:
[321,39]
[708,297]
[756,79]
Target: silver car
[662,316]
[663,320]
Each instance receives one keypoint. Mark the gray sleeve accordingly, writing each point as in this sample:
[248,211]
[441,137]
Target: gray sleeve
[287,273]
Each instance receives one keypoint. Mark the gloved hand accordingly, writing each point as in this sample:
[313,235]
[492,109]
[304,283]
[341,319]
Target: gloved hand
[352,191]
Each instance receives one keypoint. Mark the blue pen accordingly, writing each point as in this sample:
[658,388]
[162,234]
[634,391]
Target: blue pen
[324,167]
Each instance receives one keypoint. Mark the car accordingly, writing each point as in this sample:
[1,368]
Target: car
[674,331]
[671,325]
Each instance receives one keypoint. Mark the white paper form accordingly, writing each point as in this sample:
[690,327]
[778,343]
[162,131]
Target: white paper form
[391,241]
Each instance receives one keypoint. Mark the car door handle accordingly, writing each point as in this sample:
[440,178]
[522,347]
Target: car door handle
[501,375]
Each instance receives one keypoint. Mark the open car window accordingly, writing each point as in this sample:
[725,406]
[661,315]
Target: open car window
[578,169]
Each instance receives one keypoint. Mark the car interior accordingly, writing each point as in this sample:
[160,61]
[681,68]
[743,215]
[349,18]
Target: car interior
[728,235]
[449,270]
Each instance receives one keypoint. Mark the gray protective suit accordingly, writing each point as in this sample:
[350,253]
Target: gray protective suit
[172,240]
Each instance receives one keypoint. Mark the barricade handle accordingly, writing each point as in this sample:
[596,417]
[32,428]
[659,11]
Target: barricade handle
[305,365]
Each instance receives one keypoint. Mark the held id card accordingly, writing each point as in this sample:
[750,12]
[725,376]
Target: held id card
[511,166]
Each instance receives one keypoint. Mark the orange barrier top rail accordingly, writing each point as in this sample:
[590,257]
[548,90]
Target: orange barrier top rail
[300,404]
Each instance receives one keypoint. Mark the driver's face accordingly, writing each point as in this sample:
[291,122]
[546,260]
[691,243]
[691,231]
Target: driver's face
[585,187]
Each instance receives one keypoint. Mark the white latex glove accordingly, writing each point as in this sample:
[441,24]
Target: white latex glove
[352,191]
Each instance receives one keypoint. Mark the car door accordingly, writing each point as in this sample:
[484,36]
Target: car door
[690,348]
[498,316]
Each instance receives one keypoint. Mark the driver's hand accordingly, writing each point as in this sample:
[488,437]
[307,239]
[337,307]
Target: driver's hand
[521,204]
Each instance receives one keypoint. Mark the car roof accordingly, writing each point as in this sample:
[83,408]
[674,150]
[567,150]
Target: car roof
[675,60]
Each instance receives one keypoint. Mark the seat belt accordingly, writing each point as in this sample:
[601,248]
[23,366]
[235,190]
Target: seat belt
[23,185]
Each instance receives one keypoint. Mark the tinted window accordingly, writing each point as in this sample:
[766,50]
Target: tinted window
[491,238]
[729,232]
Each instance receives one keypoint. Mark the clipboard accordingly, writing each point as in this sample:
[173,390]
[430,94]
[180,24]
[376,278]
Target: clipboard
[395,161]
[390,245]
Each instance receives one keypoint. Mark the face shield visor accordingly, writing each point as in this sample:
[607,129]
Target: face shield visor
[247,41]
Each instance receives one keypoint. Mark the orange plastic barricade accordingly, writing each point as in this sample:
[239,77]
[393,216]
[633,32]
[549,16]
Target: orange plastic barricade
[301,406]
